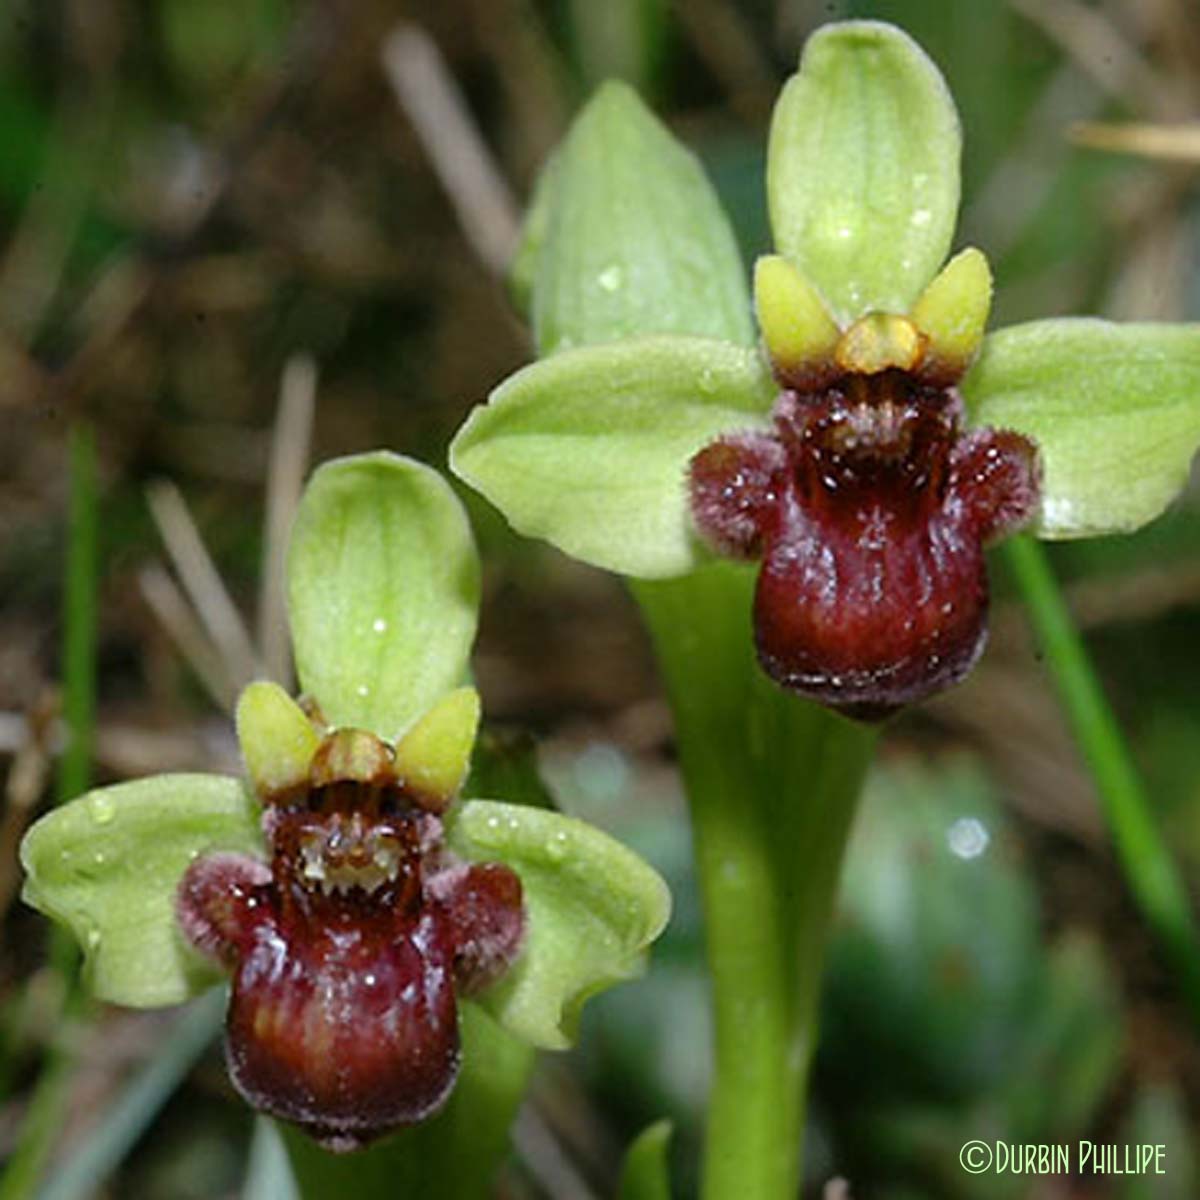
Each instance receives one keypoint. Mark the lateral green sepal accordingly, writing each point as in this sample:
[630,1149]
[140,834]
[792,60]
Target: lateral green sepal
[1114,409]
[589,448]
[592,908]
[107,866]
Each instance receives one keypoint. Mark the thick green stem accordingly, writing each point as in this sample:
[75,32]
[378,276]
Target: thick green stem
[772,782]
[1149,869]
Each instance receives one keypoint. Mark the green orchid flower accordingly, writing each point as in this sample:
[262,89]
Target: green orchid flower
[351,892]
[872,441]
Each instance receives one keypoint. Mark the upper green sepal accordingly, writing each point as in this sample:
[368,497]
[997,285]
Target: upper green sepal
[863,168]
[107,866]
[1114,409]
[589,448]
[383,591]
[592,908]
[629,237]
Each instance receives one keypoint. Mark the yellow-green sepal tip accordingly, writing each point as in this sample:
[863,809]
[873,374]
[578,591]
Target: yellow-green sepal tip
[433,756]
[277,738]
[799,334]
[952,312]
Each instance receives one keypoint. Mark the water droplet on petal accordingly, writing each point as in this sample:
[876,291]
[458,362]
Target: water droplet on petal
[611,278]
[101,808]
[967,838]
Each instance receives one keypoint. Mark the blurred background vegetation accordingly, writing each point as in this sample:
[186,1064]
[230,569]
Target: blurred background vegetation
[212,213]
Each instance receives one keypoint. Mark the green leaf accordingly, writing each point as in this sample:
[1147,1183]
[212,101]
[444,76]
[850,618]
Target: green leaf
[592,908]
[635,240]
[645,1175]
[383,591]
[107,866]
[1115,410]
[862,168]
[589,449]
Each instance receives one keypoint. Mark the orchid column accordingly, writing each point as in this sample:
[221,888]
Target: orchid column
[865,453]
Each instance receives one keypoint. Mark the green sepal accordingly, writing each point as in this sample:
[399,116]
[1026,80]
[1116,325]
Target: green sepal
[863,168]
[635,241]
[592,908]
[589,449]
[1114,409]
[645,1174]
[522,271]
[383,591]
[107,866]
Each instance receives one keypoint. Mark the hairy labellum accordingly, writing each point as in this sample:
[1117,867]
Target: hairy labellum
[869,506]
[348,950]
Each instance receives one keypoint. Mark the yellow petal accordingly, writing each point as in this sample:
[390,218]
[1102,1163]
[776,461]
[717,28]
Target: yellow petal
[433,756]
[799,333]
[952,312]
[278,740]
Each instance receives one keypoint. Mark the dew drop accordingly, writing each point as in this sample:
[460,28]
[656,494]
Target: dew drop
[98,858]
[967,838]
[557,846]
[93,939]
[493,822]
[611,278]
[363,690]
[101,808]
[379,625]
[707,381]
[922,216]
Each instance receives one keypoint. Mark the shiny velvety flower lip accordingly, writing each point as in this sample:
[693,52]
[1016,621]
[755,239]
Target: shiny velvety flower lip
[351,893]
[649,435]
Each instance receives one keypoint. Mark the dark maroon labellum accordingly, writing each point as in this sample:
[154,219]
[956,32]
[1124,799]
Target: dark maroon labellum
[869,507]
[347,953]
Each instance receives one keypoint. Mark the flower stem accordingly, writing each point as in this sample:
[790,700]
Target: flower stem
[772,782]
[1149,869]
